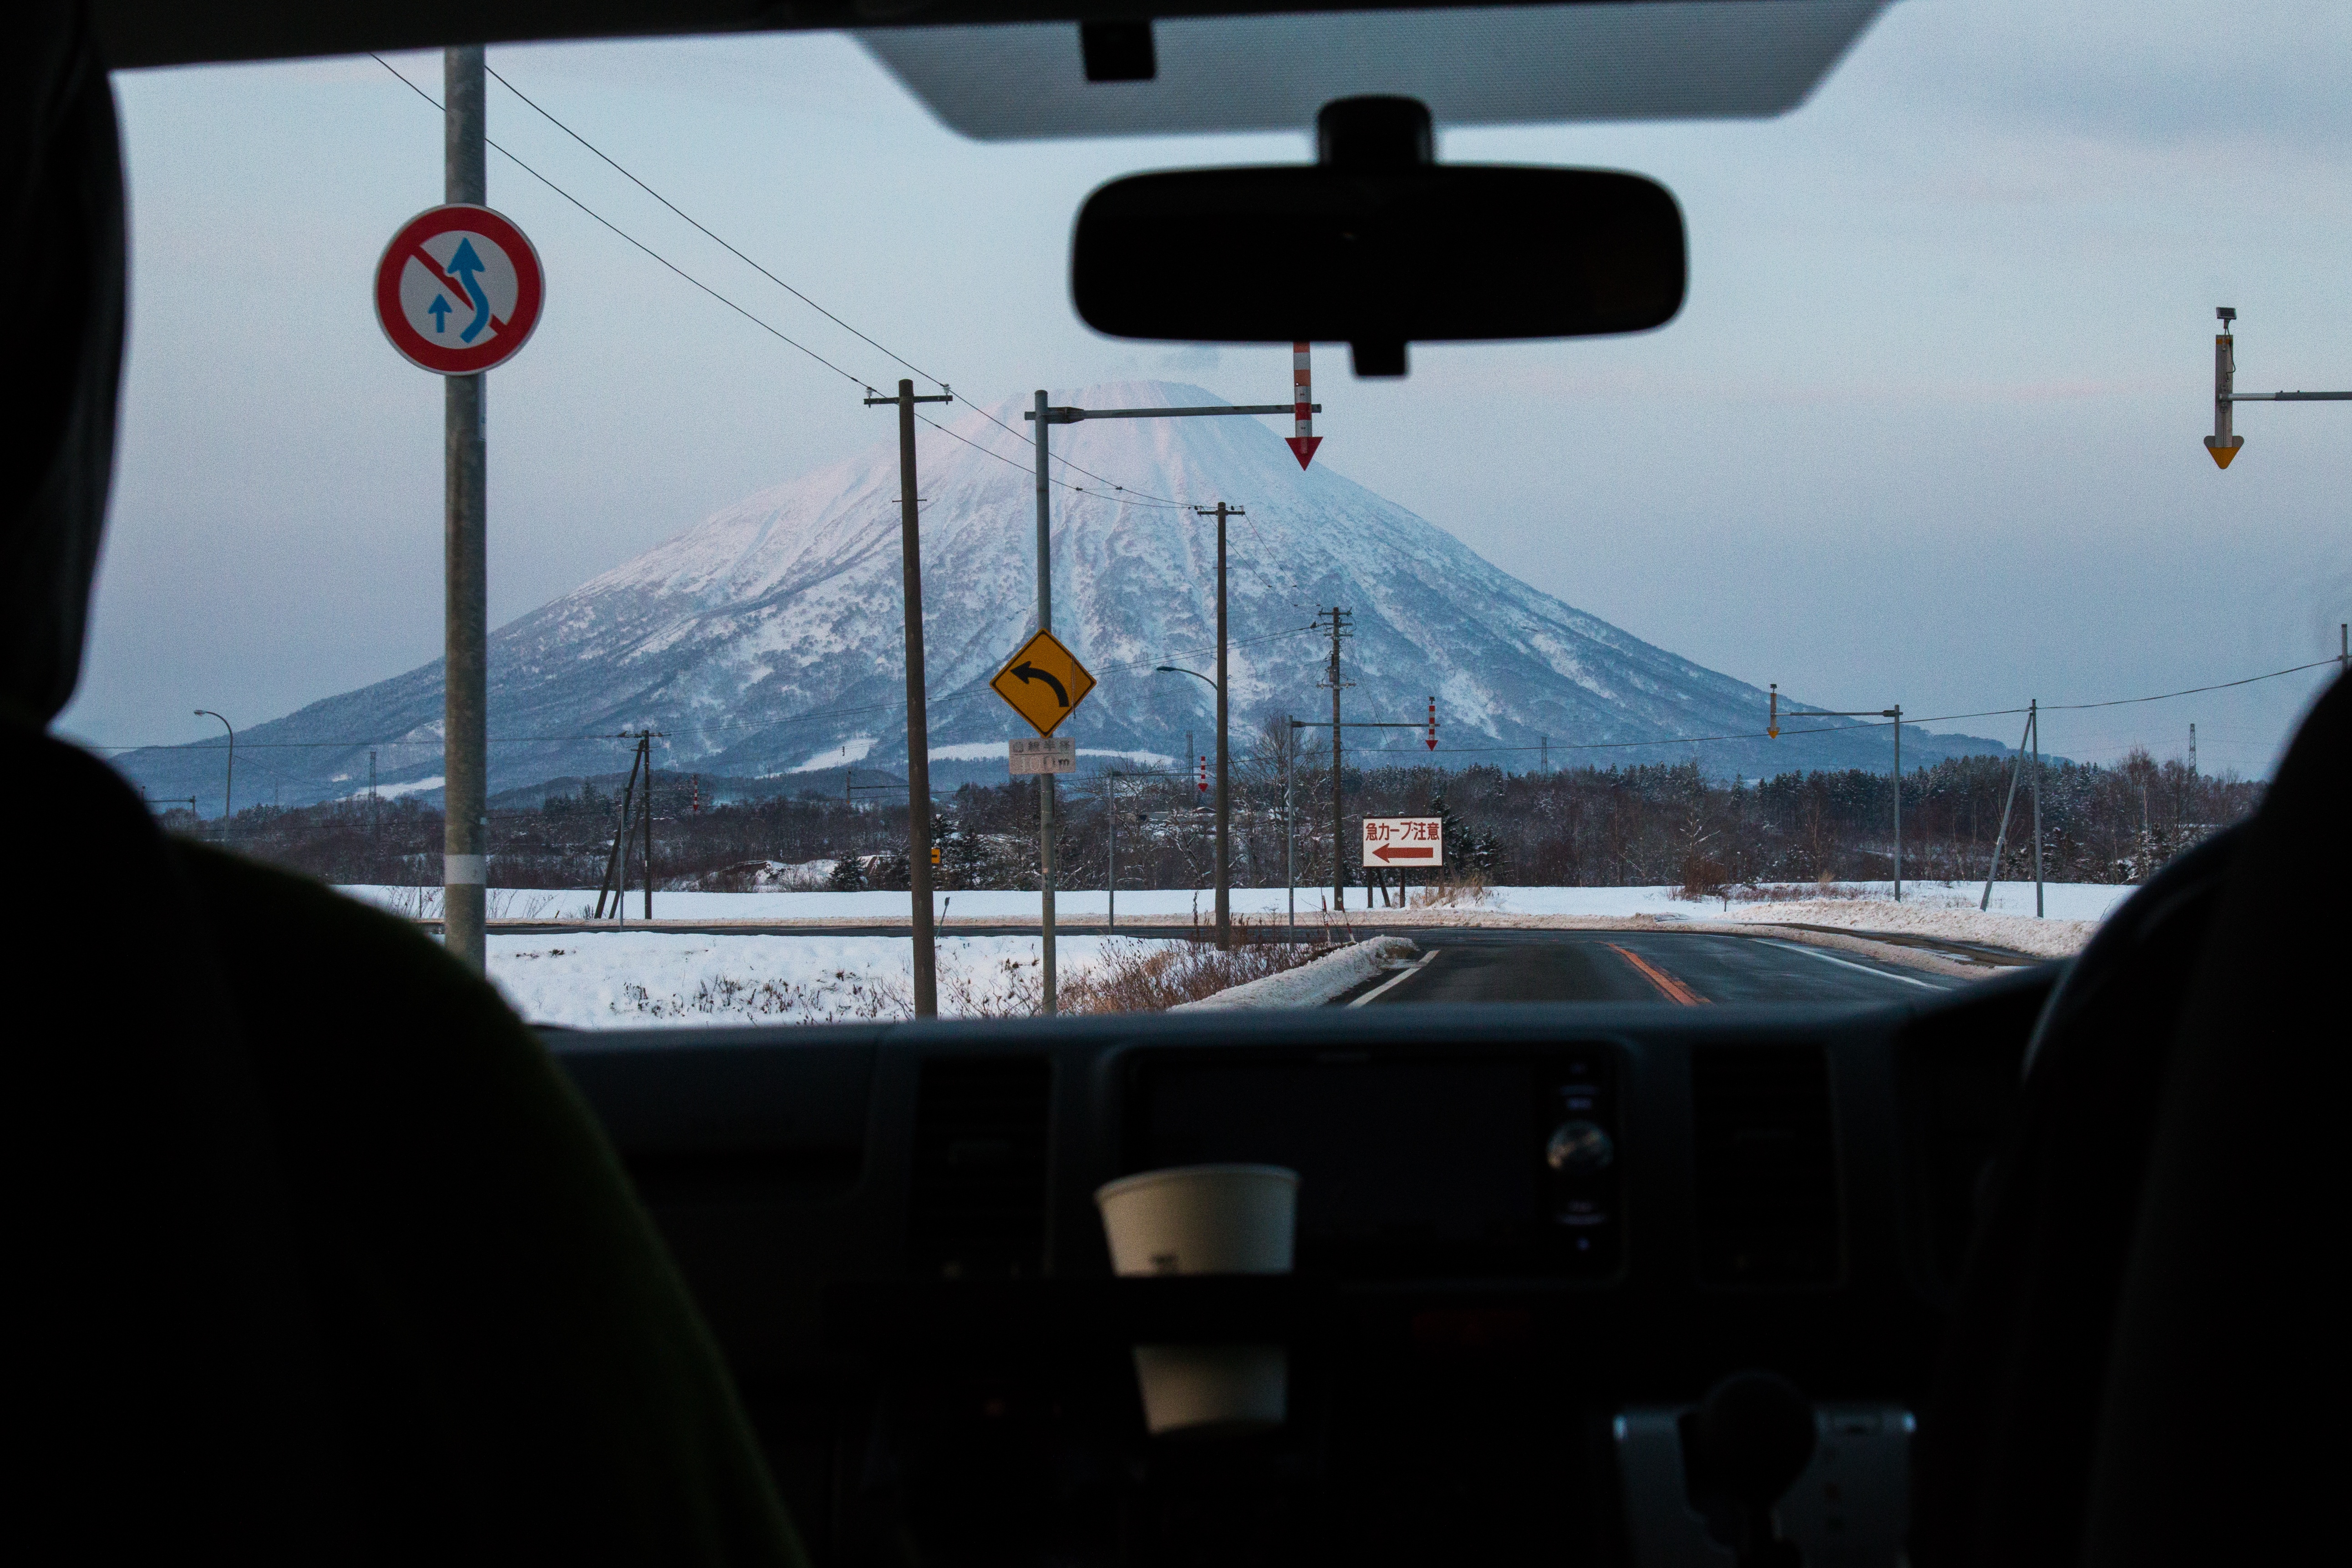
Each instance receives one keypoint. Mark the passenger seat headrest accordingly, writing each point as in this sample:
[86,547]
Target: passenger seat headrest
[62,266]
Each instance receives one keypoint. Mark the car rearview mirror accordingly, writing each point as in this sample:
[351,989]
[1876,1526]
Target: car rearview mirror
[1377,247]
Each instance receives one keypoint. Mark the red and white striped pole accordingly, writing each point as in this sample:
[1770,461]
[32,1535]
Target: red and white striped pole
[1302,398]
[1433,724]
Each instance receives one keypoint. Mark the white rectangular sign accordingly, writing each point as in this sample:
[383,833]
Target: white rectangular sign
[1393,841]
[1043,754]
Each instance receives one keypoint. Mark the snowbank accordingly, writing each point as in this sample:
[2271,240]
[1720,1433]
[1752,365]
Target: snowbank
[1311,984]
[615,980]
[1954,921]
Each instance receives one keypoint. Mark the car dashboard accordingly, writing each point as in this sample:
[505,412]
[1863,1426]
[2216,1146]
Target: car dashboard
[1530,1240]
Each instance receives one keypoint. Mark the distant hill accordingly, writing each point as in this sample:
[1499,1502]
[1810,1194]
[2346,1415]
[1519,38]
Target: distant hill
[766,639]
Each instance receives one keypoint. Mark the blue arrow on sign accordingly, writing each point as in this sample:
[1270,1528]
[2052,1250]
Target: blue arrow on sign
[439,311]
[463,267]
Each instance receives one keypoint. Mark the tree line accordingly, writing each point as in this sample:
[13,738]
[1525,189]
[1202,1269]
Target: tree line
[1645,824]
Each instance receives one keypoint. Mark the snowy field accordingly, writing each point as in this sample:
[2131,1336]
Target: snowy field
[2069,902]
[610,980]
[604,979]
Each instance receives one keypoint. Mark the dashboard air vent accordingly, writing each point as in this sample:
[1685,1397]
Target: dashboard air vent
[1764,1147]
[976,1208]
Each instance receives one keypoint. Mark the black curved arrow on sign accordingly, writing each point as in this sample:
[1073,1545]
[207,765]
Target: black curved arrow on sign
[1024,672]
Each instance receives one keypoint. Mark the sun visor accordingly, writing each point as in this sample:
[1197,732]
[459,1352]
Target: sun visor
[1656,59]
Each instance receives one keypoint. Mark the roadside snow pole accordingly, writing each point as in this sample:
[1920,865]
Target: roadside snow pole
[1304,440]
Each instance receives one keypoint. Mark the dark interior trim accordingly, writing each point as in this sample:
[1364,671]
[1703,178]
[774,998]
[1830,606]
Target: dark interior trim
[141,33]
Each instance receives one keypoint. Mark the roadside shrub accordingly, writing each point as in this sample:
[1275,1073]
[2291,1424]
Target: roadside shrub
[1455,889]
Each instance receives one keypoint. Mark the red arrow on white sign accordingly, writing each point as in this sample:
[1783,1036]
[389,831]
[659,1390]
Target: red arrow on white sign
[1392,852]
[1302,397]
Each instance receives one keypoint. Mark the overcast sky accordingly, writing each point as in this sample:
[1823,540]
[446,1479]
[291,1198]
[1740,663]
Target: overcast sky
[1927,430]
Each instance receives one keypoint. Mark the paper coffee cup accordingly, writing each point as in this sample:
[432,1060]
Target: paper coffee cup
[1201,1219]
[1206,1219]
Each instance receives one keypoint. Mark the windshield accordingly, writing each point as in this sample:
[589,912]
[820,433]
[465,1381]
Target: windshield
[1871,628]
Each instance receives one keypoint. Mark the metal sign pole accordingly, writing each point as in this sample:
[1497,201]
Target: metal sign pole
[1045,779]
[1044,414]
[466,614]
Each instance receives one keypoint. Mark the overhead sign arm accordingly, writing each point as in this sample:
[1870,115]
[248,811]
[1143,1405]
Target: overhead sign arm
[2225,442]
[1060,415]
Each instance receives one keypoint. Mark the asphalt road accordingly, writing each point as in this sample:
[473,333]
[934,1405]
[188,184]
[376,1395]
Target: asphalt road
[1671,968]
[1469,964]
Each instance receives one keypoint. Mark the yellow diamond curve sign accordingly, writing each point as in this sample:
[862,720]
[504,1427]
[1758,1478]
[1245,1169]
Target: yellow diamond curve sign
[1043,682]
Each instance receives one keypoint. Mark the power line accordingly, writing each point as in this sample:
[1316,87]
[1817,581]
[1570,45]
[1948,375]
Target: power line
[825,714]
[1845,728]
[649,251]
[732,250]
[764,326]
[816,716]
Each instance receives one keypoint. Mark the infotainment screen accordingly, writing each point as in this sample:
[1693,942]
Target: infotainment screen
[1407,1166]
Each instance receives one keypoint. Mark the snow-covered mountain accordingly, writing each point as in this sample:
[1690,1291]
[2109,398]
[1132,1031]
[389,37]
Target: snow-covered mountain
[767,638]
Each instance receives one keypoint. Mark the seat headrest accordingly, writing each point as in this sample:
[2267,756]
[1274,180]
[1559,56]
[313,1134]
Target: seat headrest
[61,265]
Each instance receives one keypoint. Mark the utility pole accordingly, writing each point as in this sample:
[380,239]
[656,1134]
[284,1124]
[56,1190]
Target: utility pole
[228,780]
[616,864]
[1339,815]
[1110,816]
[466,505]
[2034,728]
[918,743]
[1224,806]
[2016,771]
[1544,754]
[1338,872]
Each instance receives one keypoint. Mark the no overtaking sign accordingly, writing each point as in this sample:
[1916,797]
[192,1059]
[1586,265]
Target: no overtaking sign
[458,289]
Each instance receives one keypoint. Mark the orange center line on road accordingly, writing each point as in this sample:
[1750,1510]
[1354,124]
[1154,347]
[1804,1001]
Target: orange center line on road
[1671,989]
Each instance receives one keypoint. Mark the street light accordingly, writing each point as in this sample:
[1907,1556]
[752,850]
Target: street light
[1225,875]
[1180,669]
[228,784]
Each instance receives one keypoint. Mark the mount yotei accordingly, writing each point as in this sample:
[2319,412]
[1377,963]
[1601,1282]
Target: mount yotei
[768,640]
